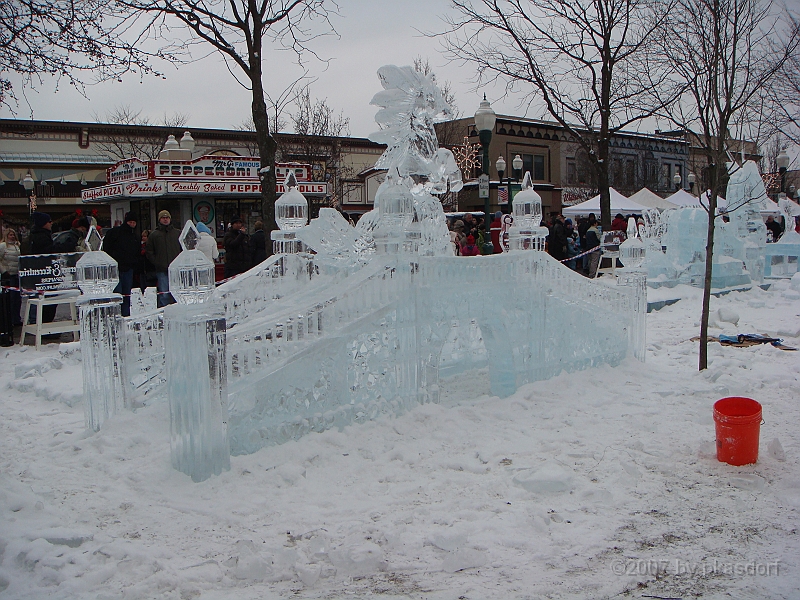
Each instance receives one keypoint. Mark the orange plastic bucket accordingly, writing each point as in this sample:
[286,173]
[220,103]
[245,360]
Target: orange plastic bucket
[738,424]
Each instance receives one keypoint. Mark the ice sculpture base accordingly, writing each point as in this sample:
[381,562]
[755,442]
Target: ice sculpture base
[103,389]
[197,389]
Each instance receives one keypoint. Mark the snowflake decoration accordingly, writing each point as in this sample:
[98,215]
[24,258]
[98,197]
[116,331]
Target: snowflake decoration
[467,156]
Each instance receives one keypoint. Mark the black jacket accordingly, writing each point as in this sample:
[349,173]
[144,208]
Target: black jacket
[258,242]
[558,241]
[40,241]
[238,255]
[122,244]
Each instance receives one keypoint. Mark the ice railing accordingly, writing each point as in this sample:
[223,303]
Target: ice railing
[301,319]
[250,293]
[298,370]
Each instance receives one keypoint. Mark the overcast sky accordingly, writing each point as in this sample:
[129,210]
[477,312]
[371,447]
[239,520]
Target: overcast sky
[371,34]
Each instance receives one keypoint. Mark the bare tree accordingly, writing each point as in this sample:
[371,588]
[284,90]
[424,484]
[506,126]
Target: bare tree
[318,142]
[240,30]
[67,39]
[144,142]
[584,60]
[727,54]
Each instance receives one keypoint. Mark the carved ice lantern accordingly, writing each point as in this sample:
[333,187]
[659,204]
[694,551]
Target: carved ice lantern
[632,250]
[526,232]
[191,274]
[291,214]
[97,272]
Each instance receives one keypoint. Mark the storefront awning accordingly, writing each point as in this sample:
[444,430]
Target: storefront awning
[154,188]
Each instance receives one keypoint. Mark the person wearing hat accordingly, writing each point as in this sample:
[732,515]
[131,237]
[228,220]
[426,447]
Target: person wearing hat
[122,244]
[238,255]
[162,247]
[40,240]
[75,240]
[207,244]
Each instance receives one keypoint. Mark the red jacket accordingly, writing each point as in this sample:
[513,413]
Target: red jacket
[494,231]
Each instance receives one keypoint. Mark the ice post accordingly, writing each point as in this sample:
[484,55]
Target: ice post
[196,376]
[291,214]
[632,254]
[99,306]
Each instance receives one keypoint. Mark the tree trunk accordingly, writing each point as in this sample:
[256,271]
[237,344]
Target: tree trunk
[267,147]
[712,209]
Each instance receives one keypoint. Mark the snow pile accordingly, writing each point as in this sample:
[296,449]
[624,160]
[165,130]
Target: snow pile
[566,488]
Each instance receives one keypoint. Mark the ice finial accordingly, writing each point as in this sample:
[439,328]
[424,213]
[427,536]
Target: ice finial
[189,236]
[191,274]
[632,250]
[94,240]
[527,205]
[291,209]
[526,232]
[97,272]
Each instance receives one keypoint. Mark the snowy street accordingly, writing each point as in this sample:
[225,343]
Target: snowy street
[597,484]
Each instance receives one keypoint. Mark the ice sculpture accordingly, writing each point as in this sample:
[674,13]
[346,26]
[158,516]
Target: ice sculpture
[526,232]
[196,376]
[739,245]
[780,258]
[746,197]
[100,316]
[373,320]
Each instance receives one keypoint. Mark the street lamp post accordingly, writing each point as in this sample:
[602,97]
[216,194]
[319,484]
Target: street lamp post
[676,179]
[517,164]
[691,179]
[28,183]
[783,166]
[485,119]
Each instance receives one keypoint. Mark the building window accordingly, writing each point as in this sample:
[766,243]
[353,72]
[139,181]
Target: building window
[630,173]
[538,167]
[572,171]
[666,177]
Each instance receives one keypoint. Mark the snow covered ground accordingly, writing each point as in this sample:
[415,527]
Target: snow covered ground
[599,484]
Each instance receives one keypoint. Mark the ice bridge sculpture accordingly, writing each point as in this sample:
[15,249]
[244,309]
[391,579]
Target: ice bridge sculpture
[344,324]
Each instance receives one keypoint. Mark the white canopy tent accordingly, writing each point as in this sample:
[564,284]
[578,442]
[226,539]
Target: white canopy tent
[619,204]
[651,200]
[684,199]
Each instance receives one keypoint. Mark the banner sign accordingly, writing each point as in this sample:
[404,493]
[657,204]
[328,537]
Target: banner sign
[48,272]
[131,169]
[149,189]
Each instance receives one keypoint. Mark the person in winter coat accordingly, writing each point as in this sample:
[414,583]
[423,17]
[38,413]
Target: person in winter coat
[9,271]
[75,240]
[494,229]
[619,223]
[238,255]
[593,241]
[558,239]
[470,248]
[162,247]
[258,242]
[122,244]
[207,244]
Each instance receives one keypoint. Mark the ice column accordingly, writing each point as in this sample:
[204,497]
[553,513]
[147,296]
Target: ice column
[632,255]
[101,334]
[195,357]
[526,233]
[291,214]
